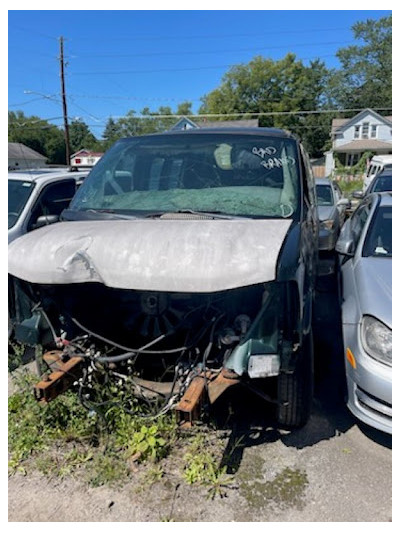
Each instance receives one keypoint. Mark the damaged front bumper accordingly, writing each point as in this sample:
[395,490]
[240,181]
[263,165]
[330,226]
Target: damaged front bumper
[188,345]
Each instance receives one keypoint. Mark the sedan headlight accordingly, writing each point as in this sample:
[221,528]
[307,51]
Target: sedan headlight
[327,224]
[377,339]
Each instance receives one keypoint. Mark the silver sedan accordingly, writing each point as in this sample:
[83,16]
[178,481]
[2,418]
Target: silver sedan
[365,246]
[331,213]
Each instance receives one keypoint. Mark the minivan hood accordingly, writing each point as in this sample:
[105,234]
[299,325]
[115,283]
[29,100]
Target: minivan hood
[152,255]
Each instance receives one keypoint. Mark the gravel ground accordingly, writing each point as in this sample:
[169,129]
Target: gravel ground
[330,471]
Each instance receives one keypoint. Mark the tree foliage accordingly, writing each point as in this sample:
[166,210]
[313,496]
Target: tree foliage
[38,134]
[81,137]
[145,122]
[275,88]
[365,76]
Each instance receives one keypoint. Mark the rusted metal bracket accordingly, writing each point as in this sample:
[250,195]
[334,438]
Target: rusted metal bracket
[65,370]
[189,408]
[201,388]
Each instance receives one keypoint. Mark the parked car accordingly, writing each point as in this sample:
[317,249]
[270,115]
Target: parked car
[331,212]
[37,197]
[382,182]
[377,164]
[183,254]
[365,244]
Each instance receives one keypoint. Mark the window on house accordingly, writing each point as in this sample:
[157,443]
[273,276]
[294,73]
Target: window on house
[365,130]
[356,132]
[374,128]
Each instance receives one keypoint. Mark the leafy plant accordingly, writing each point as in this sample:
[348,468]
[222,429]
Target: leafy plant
[202,466]
[147,444]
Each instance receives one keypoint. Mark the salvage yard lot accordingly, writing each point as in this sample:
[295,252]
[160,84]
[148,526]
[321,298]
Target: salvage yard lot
[239,467]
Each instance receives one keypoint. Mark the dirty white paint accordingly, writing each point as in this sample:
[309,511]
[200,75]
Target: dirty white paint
[159,255]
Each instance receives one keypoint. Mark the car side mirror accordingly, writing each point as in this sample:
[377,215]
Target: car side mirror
[345,202]
[359,195]
[345,246]
[44,220]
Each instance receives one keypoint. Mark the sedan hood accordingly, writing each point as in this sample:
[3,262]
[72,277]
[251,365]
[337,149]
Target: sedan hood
[374,287]
[159,255]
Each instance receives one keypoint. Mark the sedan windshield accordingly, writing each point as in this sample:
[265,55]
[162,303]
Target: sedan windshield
[378,241]
[18,194]
[233,174]
[324,195]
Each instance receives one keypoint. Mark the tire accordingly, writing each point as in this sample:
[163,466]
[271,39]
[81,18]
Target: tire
[295,391]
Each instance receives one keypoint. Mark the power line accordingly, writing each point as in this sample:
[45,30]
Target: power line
[197,52]
[212,36]
[184,69]
[256,114]
[32,31]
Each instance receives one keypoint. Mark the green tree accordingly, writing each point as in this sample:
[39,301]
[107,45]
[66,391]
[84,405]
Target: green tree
[275,87]
[80,136]
[365,76]
[111,133]
[38,134]
[145,122]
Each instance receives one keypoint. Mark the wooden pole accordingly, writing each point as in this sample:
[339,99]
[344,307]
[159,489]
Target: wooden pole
[64,103]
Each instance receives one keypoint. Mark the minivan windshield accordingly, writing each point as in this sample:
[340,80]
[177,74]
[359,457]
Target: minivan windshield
[234,174]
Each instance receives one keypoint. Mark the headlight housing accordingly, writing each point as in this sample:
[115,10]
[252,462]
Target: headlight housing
[376,339]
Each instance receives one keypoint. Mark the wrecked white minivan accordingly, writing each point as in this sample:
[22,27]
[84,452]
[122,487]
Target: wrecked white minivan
[185,263]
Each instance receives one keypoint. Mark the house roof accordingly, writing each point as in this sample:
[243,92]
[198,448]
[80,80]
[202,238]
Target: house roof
[362,145]
[87,152]
[338,123]
[20,151]
[183,122]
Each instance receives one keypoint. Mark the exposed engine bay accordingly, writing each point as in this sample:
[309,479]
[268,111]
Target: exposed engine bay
[155,342]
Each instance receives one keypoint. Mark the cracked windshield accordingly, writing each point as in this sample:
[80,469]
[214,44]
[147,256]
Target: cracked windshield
[228,174]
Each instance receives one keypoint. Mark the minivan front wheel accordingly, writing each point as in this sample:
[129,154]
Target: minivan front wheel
[295,390]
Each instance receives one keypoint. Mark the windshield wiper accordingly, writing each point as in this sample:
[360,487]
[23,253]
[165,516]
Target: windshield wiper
[209,214]
[95,214]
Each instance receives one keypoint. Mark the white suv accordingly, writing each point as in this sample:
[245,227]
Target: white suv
[377,164]
[37,197]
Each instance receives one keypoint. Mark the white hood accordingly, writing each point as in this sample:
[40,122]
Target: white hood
[152,255]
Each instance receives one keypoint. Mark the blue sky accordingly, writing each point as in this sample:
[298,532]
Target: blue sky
[123,60]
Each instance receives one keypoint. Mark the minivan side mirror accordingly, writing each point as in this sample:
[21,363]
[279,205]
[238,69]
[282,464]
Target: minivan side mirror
[44,220]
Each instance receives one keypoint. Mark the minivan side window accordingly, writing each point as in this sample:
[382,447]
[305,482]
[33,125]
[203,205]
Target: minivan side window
[309,189]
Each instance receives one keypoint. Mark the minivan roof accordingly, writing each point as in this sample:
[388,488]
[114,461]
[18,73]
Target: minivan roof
[272,132]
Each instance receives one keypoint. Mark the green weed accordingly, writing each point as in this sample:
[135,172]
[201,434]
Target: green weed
[202,467]
[61,437]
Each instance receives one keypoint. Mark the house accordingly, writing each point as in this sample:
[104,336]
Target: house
[186,123]
[85,158]
[368,131]
[23,157]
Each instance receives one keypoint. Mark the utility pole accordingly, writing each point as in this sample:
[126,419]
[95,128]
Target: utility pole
[64,103]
